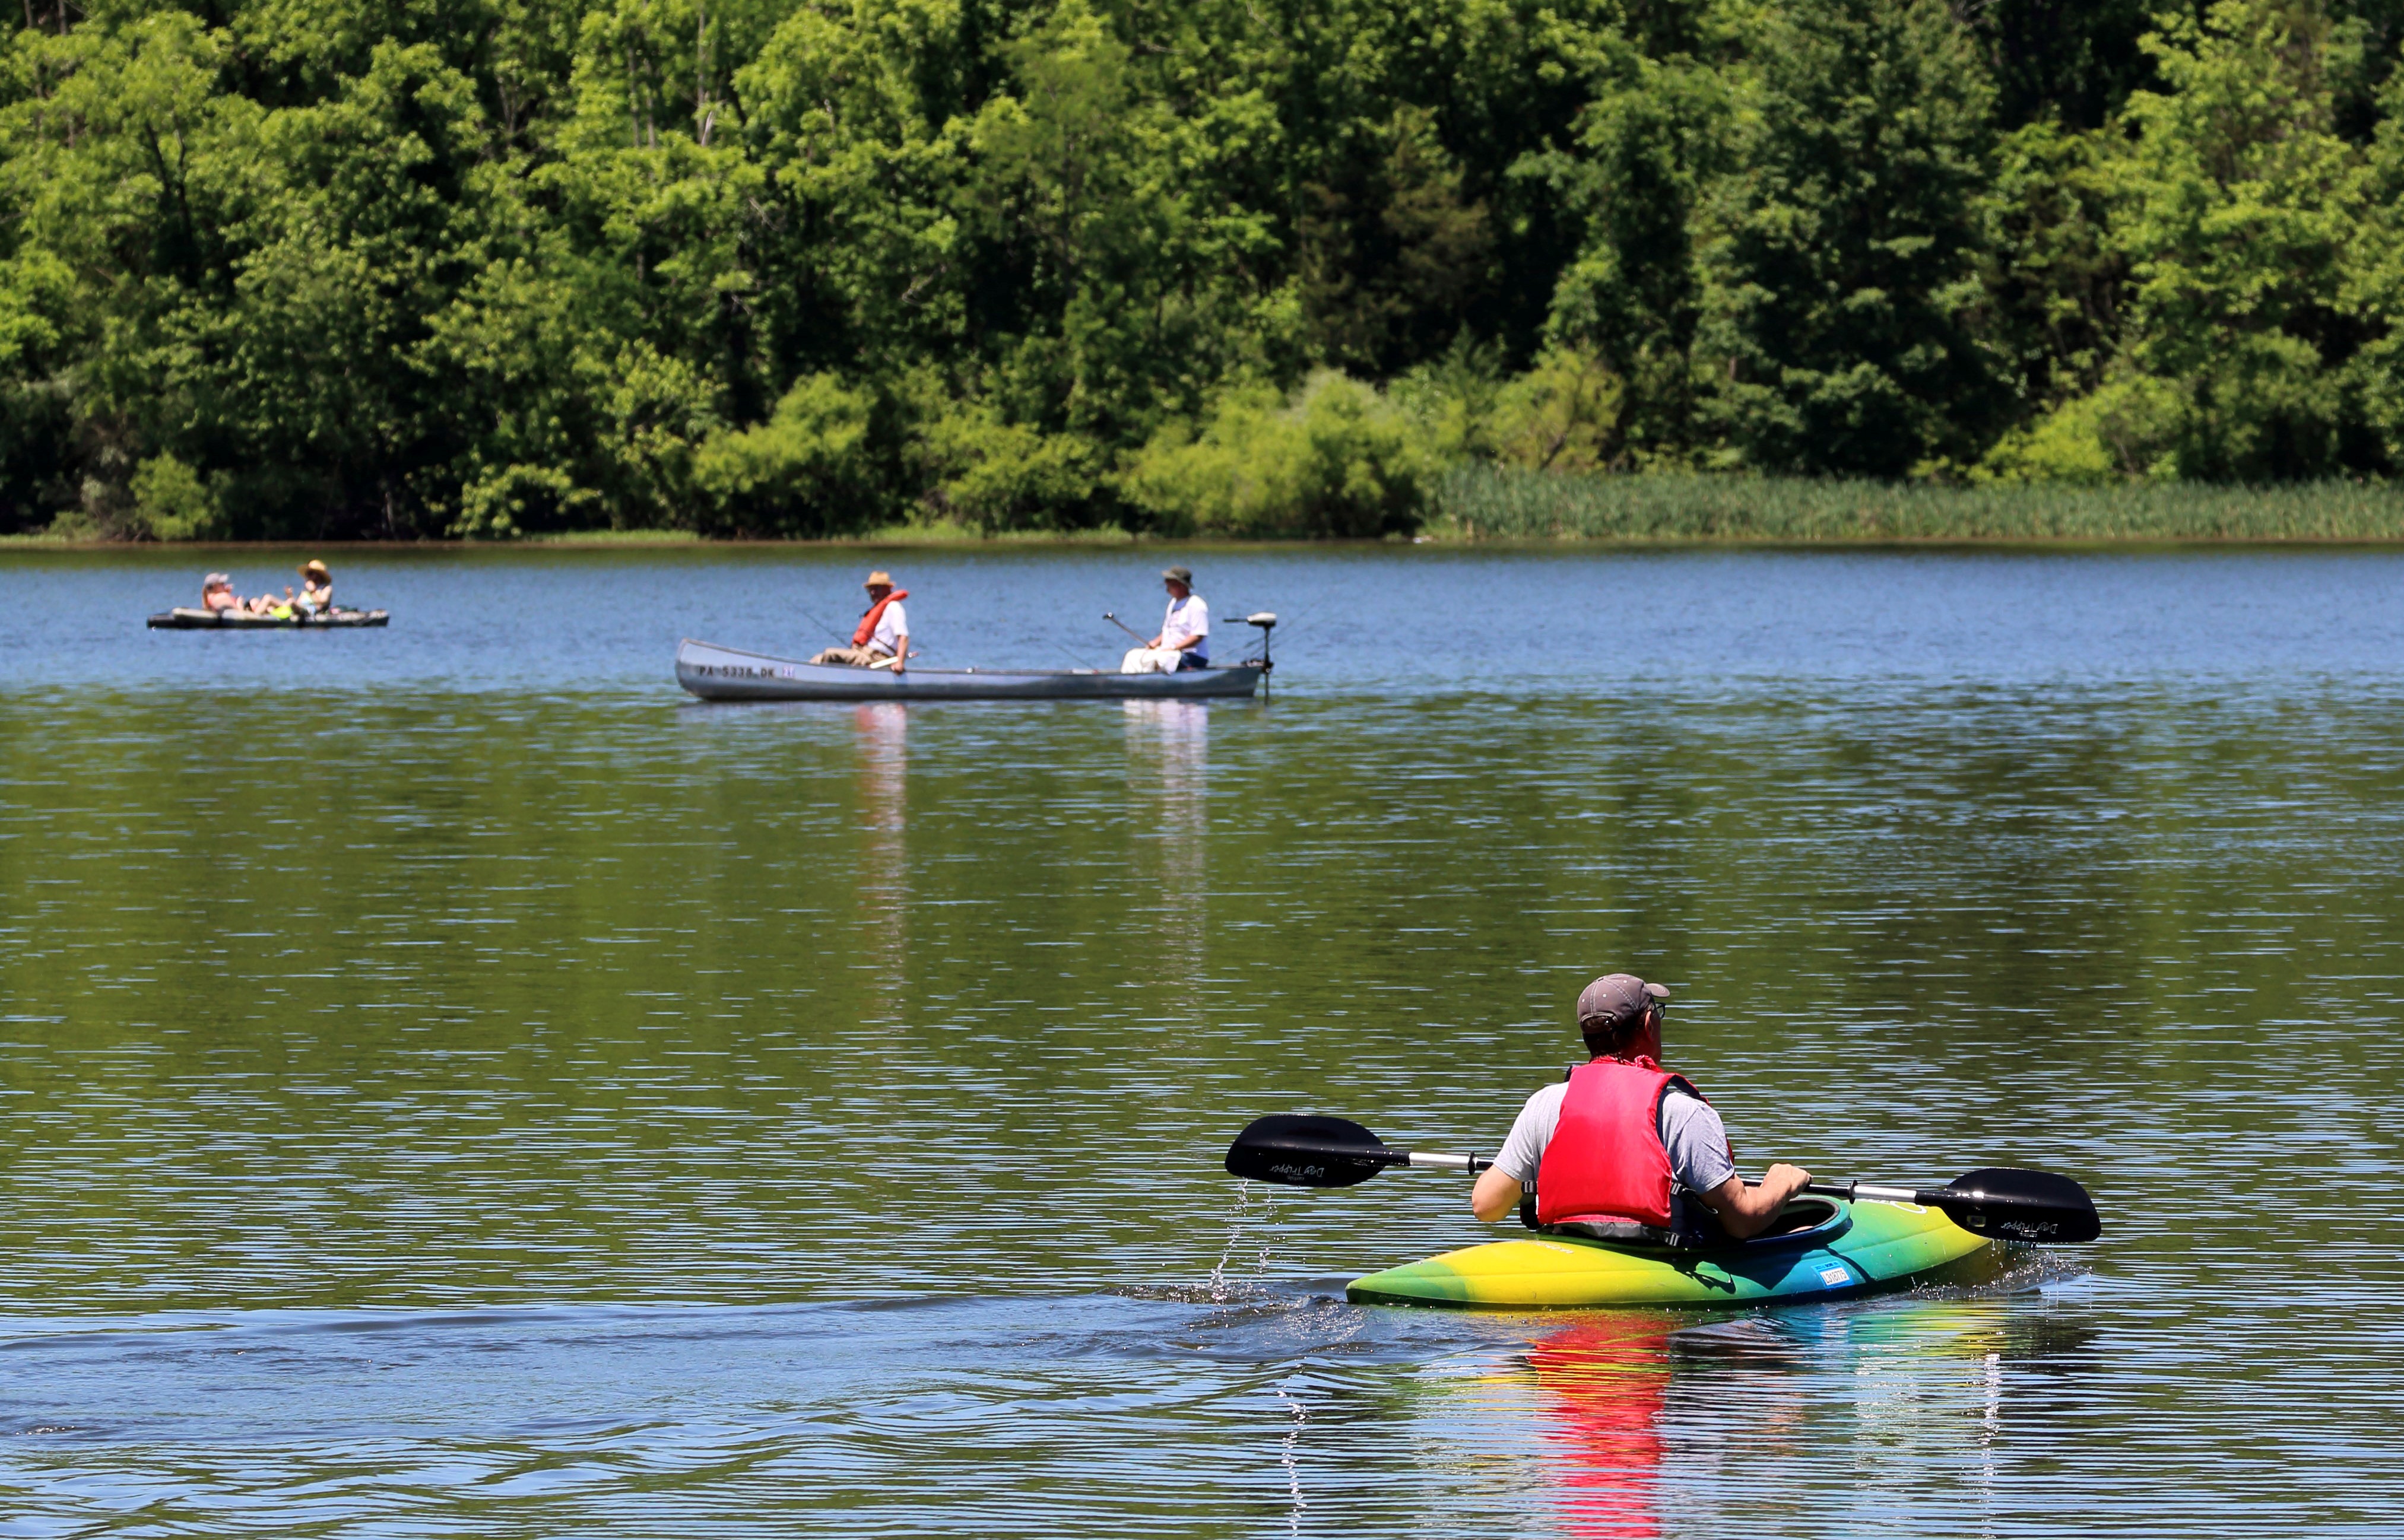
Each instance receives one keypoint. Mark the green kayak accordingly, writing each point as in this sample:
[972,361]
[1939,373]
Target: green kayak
[1827,1247]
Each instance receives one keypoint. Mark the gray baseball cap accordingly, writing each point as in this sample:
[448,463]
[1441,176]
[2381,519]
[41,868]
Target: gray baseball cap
[1614,997]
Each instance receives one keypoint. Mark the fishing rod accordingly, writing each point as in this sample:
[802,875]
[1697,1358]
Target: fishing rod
[2005,1204]
[1141,641]
[1084,665]
[830,631]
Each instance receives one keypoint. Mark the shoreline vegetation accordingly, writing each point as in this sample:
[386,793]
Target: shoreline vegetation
[1477,505]
[1480,502]
[1793,271]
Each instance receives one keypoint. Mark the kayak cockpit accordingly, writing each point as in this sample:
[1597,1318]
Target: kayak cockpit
[1805,1217]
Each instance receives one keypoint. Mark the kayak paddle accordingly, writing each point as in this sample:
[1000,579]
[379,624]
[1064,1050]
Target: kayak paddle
[1302,1151]
[1998,1200]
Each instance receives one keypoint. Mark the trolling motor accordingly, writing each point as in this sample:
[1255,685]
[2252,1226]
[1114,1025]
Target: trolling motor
[1266,621]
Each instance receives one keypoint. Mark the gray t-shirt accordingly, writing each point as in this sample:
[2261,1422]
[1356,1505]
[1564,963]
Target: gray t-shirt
[1691,1132]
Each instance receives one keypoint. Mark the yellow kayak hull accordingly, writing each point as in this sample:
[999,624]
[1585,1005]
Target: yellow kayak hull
[1862,1248]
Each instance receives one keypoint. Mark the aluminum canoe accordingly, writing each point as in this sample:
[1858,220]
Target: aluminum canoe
[723,673]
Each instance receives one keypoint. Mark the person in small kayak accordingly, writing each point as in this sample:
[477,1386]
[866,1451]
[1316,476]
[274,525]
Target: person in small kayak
[1625,1149]
[882,639]
[1184,638]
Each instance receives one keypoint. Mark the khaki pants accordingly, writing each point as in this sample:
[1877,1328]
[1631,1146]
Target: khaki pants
[858,658]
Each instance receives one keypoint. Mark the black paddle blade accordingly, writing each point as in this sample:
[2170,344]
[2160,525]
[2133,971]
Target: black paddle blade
[2021,1205]
[1309,1152]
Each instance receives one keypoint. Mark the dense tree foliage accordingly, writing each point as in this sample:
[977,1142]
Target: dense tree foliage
[412,267]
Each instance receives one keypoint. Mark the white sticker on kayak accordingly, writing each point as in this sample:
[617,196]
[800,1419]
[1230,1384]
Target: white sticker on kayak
[1835,1275]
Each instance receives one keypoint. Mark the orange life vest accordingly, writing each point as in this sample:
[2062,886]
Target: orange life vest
[868,622]
[1606,1161]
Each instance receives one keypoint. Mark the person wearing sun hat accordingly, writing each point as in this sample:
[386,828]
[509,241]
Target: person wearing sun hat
[317,588]
[216,594]
[1184,638]
[1624,1149]
[882,639]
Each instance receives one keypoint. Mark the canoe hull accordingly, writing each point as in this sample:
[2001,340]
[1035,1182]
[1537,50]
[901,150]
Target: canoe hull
[201,619]
[723,673]
[1867,1248]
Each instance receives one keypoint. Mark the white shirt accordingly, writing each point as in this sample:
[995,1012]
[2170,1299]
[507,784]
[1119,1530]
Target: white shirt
[892,627]
[1187,617]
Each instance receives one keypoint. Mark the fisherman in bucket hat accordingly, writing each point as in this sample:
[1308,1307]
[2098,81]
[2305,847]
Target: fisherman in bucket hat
[1184,638]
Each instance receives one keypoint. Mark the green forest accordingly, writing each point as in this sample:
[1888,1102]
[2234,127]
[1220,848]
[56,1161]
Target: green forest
[408,268]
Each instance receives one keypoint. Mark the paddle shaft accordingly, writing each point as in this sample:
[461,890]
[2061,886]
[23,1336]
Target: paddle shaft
[1874,1192]
[1380,1155]
[1472,1162]
[1303,1150]
[1437,1160]
[1955,1200]
[1927,1197]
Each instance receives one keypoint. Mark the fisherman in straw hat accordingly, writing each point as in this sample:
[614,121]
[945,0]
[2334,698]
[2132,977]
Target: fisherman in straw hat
[1184,638]
[882,640]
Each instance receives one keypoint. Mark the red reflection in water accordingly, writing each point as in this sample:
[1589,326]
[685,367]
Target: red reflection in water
[1604,1381]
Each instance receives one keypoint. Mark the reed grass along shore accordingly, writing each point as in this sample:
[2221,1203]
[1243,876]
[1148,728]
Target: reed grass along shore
[1485,503]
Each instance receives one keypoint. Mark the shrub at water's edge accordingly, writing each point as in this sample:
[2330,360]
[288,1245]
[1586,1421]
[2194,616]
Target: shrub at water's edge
[1339,462]
[1485,503]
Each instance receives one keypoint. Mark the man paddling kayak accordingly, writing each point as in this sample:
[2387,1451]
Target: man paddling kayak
[1184,638]
[1625,1149]
[882,639]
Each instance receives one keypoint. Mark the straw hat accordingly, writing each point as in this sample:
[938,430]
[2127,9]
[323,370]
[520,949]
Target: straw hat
[315,568]
[878,579]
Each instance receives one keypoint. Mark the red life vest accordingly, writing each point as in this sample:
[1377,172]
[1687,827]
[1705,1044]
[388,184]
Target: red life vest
[868,622]
[1606,1161]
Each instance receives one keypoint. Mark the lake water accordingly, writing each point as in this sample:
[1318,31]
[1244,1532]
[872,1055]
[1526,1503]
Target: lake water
[453,1083]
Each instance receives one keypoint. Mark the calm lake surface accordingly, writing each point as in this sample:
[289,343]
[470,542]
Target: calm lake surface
[453,1083]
